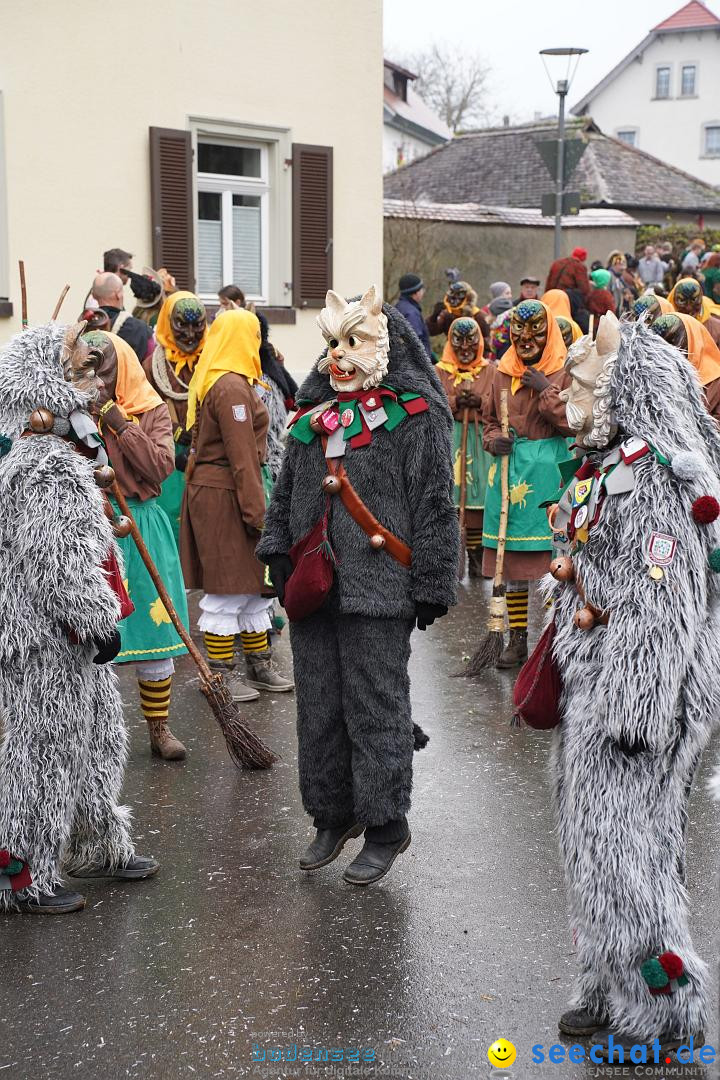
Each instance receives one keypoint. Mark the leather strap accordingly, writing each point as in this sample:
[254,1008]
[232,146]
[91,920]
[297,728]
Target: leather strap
[367,521]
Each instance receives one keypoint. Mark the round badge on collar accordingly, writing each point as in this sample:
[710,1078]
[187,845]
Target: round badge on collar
[581,517]
[347,417]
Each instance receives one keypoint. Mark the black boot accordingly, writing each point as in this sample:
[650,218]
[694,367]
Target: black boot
[668,1044]
[516,650]
[137,868]
[327,845]
[382,846]
[60,901]
[581,1021]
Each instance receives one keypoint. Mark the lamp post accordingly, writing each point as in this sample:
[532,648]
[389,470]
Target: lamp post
[561,87]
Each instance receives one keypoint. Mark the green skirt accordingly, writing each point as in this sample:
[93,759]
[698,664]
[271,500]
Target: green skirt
[171,497]
[534,479]
[148,634]
[478,463]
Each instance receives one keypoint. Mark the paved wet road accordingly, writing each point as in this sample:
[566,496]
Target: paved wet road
[230,945]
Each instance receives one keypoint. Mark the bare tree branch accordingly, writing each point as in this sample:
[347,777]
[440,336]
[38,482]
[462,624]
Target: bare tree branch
[453,84]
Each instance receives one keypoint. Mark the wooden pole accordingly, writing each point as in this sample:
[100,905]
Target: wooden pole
[463,490]
[504,493]
[23,294]
[59,304]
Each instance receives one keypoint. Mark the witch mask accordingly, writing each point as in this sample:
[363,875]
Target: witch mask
[358,344]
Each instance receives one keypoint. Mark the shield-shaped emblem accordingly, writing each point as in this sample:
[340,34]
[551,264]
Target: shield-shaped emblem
[661,549]
[582,490]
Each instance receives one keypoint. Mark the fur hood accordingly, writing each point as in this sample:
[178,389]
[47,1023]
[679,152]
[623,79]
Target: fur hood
[31,377]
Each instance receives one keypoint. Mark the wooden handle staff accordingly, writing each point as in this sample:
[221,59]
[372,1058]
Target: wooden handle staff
[59,304]
[504,494]
[23,294]
[463,490]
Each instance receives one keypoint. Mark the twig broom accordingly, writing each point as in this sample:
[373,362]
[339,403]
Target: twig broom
[244,747]
[491,648]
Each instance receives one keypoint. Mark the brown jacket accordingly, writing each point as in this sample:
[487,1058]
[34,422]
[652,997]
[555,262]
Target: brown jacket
[480,387]
[532,415]
[143,454]
[224,503]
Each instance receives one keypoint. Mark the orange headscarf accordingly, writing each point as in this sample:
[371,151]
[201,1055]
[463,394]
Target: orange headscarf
[708,307]
[164,334]
[461,372]
[558,302]
[703,353]
[133,392]
[552,359]
[665,306]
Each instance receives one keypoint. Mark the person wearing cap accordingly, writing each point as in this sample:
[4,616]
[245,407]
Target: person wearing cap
[412,290]
[600,300]
[529,289]
[570,273]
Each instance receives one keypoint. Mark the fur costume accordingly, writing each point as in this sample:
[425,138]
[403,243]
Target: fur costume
[354,725]
[64,742]
[640,694]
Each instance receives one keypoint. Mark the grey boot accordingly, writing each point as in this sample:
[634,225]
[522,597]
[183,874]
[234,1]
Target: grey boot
[516,650]
[240,691]
[263,674]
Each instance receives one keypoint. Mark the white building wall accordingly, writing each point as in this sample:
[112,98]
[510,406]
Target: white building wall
[395,141]
[670,129]
[77,113]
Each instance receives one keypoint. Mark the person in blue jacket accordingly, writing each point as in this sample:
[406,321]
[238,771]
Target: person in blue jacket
[412,291]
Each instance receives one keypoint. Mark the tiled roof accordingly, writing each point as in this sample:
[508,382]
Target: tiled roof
[502,167]
[690,17]
[477,214]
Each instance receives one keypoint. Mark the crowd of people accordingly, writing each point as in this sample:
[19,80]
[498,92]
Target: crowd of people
[571,433]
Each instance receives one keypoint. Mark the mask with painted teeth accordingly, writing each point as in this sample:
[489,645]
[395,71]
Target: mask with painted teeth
[357,338]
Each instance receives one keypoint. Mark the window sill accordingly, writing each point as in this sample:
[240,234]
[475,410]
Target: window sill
[668,98]
[276,316]
[688,97]
[6,309]
[710,157]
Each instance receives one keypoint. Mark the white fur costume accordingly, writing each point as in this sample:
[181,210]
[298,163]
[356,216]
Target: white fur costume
[64,742]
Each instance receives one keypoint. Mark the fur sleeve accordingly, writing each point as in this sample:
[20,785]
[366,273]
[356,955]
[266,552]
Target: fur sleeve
[435,530]
[276,538]
[61,546]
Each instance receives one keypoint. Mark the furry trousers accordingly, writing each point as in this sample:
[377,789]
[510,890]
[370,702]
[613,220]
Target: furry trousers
[62,760]
[355,739]
[621,822]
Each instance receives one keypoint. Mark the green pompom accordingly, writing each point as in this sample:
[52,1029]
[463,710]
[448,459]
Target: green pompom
[654,974]
[714,560]
[683,980]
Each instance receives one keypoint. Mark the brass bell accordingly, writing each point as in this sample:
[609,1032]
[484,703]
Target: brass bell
[122,526]
[585,618]
[331,484]
[377,542]
[41,421]
[104,476]
[562,568]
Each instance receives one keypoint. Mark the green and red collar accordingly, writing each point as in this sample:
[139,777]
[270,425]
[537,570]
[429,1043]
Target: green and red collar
[357,413]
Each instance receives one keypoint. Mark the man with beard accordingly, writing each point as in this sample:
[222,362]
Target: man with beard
[368,473]
[532,371]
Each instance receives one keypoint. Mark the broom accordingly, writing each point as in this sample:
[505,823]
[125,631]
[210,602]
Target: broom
[244,747]
[491,649]
[463,492]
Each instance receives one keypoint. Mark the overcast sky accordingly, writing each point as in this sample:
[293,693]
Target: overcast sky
[509,34]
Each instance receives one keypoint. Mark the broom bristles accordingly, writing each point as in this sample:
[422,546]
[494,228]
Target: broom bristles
[244,747]
[488,653]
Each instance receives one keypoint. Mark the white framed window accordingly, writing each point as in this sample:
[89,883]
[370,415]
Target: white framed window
[232,217]
[711,139]
[688,80]
[627,135]
[662,81]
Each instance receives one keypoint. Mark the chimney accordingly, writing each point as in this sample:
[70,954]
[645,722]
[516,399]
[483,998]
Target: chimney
[506,121]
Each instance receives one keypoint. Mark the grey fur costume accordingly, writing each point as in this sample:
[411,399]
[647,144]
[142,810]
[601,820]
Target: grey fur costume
[64,742]
[640,697]
[354,722]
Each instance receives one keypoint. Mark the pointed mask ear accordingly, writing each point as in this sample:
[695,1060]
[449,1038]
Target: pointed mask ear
[608,335]
[73,334]
[335,303]
[372,301]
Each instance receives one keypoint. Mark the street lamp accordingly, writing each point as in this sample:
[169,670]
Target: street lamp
[569,58]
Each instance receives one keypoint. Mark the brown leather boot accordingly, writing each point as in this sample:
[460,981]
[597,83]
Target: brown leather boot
[516,651]
[163,743]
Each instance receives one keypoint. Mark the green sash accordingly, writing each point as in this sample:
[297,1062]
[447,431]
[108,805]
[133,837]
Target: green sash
[534,479]
[476,470]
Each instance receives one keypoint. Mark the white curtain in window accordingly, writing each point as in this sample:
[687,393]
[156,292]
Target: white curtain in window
[247,249]
[210,264]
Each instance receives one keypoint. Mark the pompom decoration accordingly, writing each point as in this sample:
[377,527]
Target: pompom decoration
[672,964]
[686,465]
[4,858]
[654,974]
[705,510]
[714,560]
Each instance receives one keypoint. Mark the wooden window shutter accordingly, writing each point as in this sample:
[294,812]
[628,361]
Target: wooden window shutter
[171,196]
[312,227]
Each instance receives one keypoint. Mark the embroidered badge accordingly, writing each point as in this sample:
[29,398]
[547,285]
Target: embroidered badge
[240,412]
[632,449]
[329,420]
[661,549]
[347,418]
[581,517]
[582,490]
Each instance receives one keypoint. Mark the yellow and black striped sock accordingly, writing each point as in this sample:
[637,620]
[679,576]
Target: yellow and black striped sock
[517,605]
[473,539]
[155,698]
[254,642]
[220,647]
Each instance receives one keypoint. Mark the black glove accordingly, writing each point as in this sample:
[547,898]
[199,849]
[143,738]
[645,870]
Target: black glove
[181,459]
[281,568]
[107,648]
[502,445]
[426,614]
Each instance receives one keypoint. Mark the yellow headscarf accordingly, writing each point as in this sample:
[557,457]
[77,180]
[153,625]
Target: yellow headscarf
[552,359]
[708,307]
[232,344]
[133,393]
[164,334]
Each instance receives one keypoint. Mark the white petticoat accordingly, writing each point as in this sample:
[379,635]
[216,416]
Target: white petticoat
[233,614]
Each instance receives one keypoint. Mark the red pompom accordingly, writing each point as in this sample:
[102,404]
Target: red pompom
[705,509]
[4,858]
[672,964]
